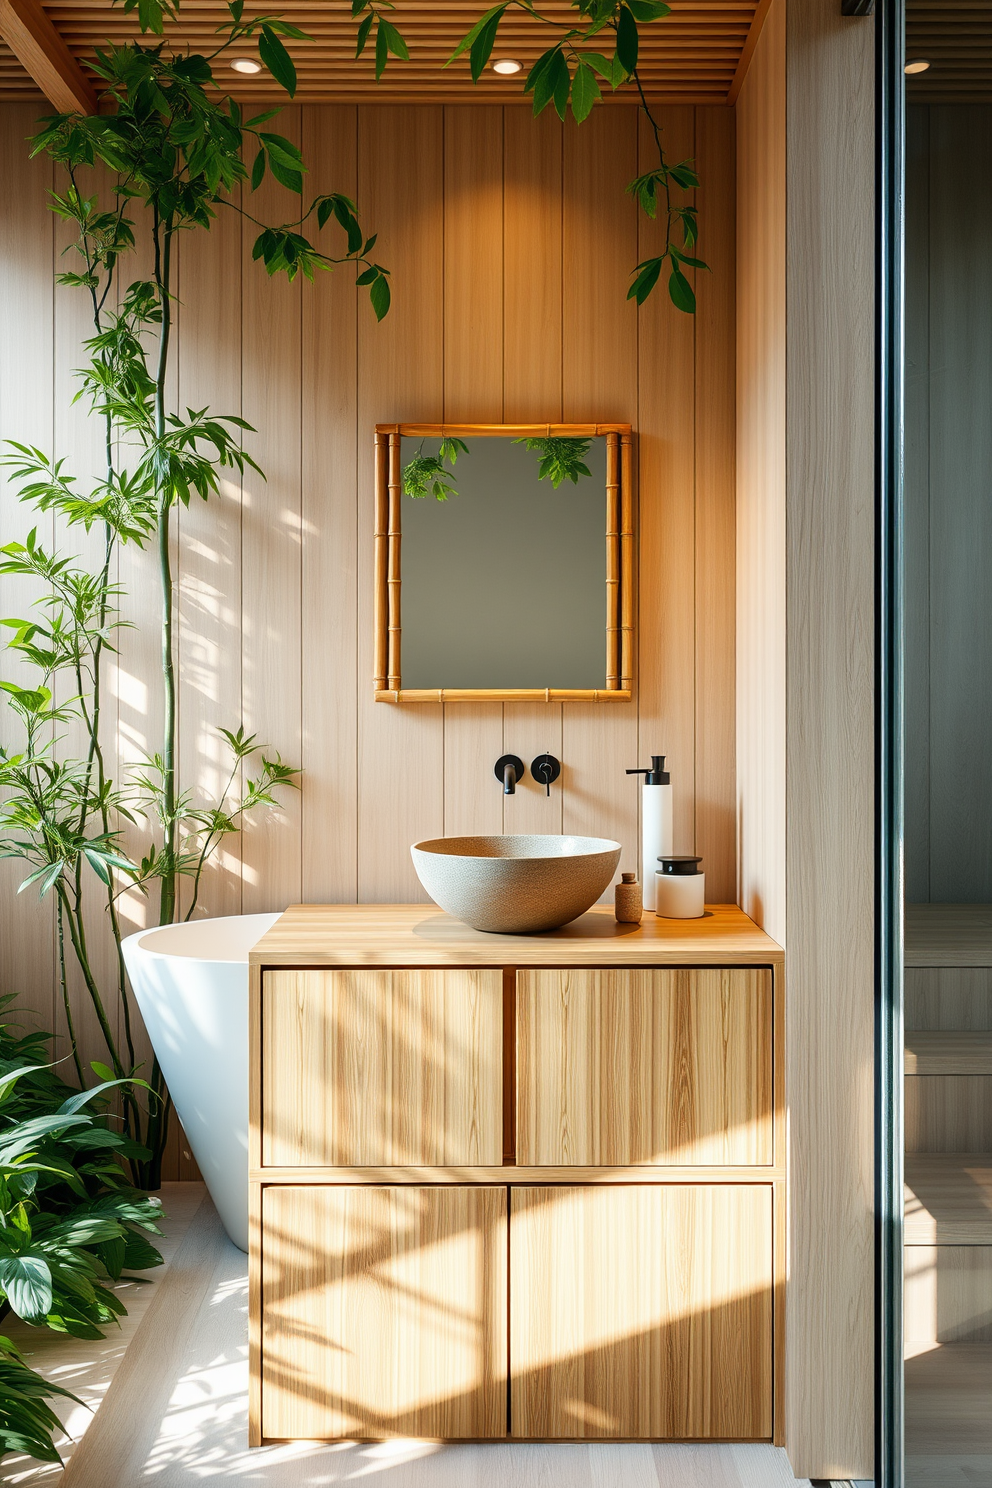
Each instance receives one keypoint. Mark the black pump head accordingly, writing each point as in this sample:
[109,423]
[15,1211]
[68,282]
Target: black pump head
[657,775]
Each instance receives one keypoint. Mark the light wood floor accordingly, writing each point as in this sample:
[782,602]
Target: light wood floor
[176,1414]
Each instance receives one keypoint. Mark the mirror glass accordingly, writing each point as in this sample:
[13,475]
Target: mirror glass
[504,579]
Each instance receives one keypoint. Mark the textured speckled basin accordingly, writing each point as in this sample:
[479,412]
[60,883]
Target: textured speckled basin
[515,884]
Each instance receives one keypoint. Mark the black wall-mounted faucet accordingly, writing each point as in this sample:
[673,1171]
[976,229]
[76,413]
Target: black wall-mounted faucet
[509,768]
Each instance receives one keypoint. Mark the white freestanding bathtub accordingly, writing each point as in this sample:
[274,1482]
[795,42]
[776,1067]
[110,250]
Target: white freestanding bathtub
[191,984]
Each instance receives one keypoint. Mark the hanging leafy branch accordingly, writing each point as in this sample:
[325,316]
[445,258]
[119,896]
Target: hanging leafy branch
[568,75]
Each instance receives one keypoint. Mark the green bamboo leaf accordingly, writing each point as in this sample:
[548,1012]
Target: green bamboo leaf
[546,79]
[379,295]
[562,84]
[363,33]
[275,57]
[483,44]
[286,176]
[681,292]
[684,174]
[472,36]
[627,40]
[648,10]
[258,170]
[394,40]
[381,51]
[647,277]
[585,92]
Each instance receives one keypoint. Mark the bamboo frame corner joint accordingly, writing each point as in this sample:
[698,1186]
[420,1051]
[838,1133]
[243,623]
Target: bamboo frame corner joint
[387,540]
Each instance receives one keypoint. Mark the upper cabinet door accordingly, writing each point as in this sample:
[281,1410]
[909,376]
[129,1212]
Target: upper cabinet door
[372,1068]
[670,1067]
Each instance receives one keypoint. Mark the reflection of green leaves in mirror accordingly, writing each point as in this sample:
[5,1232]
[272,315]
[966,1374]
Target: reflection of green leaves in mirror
[425,475]
[561,458]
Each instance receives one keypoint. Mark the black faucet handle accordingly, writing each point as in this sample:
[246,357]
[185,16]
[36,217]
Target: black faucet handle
[546,770]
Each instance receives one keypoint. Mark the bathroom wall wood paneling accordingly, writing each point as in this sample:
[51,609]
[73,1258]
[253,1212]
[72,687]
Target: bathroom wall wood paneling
[510,242]
[761,638]
[830,272]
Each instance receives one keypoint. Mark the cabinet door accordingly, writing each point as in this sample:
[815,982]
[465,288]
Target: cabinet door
[383,1312]
[644,1066]
[641,1311]
[382,1068]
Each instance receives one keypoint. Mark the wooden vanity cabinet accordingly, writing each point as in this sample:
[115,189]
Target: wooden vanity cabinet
[516,1187]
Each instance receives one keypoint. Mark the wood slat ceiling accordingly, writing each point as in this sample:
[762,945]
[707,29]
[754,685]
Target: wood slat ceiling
[15,84]
[956,39]
[691,56]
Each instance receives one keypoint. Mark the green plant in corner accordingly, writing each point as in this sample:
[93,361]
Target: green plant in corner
[70,1223]
[176,147]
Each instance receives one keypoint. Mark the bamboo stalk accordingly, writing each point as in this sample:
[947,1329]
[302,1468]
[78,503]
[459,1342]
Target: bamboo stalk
[502,695]
[612,563]
[380,601]
[626,562]
[507,431]
[393,577]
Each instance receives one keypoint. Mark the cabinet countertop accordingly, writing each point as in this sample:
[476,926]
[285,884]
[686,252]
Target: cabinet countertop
[421,935]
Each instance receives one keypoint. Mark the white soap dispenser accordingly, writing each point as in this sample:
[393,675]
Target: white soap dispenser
[656,825]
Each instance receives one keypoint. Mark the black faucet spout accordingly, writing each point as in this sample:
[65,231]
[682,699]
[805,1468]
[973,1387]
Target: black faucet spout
[508,769]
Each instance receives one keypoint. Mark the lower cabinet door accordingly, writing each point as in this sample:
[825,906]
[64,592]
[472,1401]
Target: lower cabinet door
[641,1311]
[383,1312]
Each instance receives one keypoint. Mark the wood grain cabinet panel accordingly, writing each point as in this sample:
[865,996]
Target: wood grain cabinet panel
[644,1066]
[382,1068]
[383,1312]
[641,1311]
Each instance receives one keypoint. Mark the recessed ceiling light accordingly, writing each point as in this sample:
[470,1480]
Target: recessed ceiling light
[245,64]
[506,65]
[917,65]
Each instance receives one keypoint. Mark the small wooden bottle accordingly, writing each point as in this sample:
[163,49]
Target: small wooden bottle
[628,900]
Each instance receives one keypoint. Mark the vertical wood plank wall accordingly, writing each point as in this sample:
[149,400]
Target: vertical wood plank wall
[761,603]
[830,736]
[510,243]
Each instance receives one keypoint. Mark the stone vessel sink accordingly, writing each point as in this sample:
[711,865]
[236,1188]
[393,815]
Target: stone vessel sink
[515,884]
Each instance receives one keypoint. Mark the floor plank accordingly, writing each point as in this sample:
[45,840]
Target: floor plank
[177,1415]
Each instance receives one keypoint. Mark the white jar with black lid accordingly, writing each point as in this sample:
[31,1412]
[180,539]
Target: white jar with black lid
[680,888]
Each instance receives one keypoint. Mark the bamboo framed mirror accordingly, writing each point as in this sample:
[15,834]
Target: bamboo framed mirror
[517,545]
